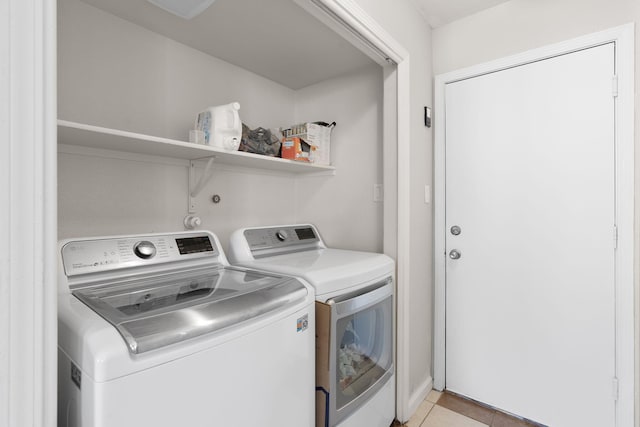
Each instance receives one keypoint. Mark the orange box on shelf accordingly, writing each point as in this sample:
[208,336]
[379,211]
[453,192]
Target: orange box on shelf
[293,148]
[318,136]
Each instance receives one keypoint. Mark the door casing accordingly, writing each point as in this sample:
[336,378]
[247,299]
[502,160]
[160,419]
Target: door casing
[623,37]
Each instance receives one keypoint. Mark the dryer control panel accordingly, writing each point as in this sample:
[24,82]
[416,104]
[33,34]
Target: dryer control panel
[282,239]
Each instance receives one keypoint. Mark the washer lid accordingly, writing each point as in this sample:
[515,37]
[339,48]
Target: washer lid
[156,312]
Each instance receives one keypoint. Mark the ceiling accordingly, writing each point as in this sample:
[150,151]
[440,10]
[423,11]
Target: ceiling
[441,12]
[276,39]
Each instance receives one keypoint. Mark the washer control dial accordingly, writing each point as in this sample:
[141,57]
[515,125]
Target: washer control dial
[281,235]
[144,249]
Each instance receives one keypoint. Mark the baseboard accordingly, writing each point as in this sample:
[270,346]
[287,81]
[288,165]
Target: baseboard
[418,396]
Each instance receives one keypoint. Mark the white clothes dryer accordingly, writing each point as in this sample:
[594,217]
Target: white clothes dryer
[158,330]
[355,381]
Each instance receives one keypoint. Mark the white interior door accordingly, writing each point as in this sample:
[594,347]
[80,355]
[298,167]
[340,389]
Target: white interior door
[530,314]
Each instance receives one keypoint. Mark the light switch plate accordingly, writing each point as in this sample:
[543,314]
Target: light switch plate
[378,193]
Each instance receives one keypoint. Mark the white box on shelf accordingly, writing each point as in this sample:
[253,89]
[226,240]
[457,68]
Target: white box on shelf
[316,135]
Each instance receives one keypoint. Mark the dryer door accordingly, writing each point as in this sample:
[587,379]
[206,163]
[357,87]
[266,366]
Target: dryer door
[362,347]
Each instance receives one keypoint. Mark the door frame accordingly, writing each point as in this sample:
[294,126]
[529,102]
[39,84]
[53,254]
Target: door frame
[28,213]
[353,23]
[623,37]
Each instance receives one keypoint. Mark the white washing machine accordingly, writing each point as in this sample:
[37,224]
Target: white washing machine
[157,330]
[355,379]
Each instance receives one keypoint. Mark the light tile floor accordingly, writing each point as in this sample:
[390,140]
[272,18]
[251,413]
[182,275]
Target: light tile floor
[449,410]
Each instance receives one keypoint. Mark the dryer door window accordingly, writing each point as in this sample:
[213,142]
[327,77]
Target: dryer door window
[363,351]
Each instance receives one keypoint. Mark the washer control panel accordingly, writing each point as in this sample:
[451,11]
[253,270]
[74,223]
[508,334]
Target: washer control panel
[260,239]
[99,255]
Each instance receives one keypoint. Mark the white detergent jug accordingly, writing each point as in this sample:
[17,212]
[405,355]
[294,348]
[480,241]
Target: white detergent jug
[221,126]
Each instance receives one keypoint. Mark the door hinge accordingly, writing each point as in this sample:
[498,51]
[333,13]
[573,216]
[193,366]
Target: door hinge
[615,388]
[615,237]
[614,86]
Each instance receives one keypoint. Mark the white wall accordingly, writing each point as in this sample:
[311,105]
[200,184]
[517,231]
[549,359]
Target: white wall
[520,25]
[353,102]
[402,20]
[113,73]
[116,74]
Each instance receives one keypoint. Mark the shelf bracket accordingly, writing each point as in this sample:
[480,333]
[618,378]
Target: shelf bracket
[195,187]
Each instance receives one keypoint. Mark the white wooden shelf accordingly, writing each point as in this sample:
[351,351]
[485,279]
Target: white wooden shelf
[84,135]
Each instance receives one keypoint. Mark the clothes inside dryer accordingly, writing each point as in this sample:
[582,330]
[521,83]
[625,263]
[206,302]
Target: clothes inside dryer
[363,353]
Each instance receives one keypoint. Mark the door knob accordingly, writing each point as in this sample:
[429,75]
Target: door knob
[455,254]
